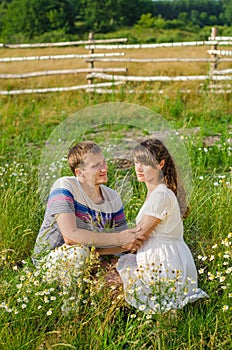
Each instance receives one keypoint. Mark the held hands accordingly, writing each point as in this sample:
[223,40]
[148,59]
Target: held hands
[134,239]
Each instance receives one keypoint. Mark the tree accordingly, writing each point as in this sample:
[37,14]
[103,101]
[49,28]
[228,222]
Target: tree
[131,11]
[227,7]
[100,15]
[106,15]
[35,17]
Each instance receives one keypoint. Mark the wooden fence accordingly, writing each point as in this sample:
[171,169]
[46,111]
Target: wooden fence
[100,79]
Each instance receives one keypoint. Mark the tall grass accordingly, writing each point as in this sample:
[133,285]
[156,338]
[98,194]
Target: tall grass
[30,309]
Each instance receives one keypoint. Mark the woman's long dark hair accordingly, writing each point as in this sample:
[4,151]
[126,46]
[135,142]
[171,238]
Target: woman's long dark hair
[152,152]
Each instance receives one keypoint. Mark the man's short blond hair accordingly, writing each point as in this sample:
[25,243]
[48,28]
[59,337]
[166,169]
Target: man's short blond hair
[78,153]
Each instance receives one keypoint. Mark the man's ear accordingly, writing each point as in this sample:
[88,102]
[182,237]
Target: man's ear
[161,164]
[78,172]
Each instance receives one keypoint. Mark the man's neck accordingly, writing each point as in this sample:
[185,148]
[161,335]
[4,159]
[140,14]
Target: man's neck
[93,192]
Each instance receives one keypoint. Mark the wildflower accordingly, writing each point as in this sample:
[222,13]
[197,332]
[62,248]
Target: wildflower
[211,257]
[226,256]
[142,307]
[211,276]
[24,306]
[130,291]
[226,242]
[49,312]
[214,246]
[225,308]
[201,271]
[133,316]
[222,279]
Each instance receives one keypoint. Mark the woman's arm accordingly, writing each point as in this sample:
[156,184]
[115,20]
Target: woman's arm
[147,224]
[146,227]
[74,235]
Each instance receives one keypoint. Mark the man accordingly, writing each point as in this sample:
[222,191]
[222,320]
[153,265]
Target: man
[81,207]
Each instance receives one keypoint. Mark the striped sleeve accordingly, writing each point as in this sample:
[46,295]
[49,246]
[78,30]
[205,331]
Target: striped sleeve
[119,220]
[61,201]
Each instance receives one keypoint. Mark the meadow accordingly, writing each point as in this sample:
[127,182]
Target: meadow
[31,314]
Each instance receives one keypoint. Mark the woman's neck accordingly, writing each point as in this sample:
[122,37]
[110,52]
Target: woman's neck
[151,187]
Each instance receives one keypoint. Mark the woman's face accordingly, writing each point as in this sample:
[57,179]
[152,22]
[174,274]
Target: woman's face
[147,173]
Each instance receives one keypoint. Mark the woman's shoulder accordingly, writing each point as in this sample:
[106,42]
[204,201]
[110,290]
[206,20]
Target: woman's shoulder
[163,189]
[163,194]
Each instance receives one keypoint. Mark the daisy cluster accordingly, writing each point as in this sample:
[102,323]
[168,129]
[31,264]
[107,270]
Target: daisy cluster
[64,287]
[222,180]
[158,290]
[210,153]
[12,173]
[216,269]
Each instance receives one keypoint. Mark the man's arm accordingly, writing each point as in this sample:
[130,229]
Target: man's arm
[74,235]
[110,251]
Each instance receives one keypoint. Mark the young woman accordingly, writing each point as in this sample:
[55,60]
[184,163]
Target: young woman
[162,274]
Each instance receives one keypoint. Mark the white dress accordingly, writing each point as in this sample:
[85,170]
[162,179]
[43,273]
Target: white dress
[162,274]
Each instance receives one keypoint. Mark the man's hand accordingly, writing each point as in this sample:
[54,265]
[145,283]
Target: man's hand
[136,242]
[133,246]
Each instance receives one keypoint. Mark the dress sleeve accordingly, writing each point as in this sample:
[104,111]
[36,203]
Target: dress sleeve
[159,205]
[61,199]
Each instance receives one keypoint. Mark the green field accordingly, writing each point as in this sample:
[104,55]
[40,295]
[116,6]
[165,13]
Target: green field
[30,310]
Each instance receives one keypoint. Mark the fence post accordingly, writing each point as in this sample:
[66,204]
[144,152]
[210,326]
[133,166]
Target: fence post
[91,51]
[214,57]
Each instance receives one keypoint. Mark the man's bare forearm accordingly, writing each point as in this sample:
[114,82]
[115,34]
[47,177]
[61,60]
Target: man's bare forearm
[110,251]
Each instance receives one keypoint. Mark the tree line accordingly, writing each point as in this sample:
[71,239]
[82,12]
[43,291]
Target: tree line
[28,19]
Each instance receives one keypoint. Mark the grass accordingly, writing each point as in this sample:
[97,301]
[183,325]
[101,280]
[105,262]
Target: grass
[30,315]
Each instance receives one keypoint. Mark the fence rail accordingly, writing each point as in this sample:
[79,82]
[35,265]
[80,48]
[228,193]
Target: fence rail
[156,78]
[155,46]
[94,74]
[220,52]
[59,57]
[56,89]
[62,44]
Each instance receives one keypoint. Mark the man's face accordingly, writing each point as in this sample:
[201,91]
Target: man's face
[94,170]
